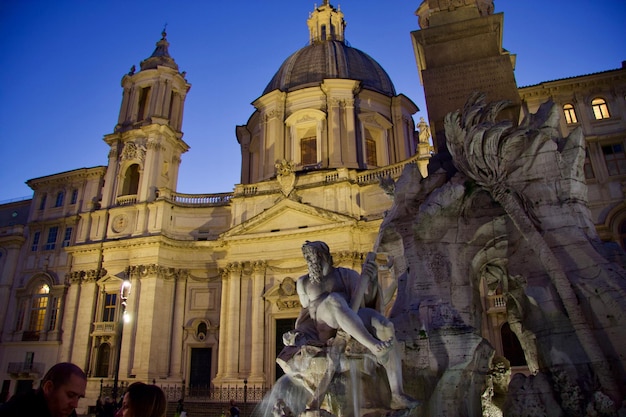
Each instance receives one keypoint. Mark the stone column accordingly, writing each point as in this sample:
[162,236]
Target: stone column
[333,142]
[78,335]
[257,375]
[233,314]
[223,330]
[180,304]
[349,151]
[229,324]
[72,300]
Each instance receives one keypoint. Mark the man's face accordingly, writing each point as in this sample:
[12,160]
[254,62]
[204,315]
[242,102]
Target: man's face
[62,400]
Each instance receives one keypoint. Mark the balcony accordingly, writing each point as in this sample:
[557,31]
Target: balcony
[104,328]
[26,369]
[496,303]
[127,200]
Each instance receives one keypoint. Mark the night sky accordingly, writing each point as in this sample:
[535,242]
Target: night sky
[62,62]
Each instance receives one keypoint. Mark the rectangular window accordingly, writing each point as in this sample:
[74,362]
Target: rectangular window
[110,304]
[54,313]
[38,313]
[615,158]
[370,151]
[67,237]
[308,150]
[52,238]
[35,244]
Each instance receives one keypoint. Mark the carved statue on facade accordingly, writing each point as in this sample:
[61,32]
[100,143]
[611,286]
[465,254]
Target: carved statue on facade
[424,130]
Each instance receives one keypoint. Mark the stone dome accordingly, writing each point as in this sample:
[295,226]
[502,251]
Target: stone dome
[312,64]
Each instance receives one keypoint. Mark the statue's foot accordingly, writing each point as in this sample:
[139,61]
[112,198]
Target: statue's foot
[403,401]
[383,347]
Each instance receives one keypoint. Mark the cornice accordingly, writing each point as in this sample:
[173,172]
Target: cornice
[70,220]
[67,178]
[608,78]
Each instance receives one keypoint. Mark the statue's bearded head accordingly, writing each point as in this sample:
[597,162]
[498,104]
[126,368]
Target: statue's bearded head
[318,259]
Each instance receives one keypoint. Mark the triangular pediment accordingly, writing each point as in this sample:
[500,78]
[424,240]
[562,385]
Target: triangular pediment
[288,215]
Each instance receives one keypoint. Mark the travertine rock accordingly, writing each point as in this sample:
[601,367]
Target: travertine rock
[512,217]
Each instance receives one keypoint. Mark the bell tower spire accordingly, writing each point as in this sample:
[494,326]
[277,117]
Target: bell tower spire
[326,23]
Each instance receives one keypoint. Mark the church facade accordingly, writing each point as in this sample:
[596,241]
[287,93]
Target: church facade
[212,277]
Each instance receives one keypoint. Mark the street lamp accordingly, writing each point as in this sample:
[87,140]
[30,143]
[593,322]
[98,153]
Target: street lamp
[124,294]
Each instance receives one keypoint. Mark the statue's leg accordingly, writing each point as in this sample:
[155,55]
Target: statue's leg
[384,330]
[335,312]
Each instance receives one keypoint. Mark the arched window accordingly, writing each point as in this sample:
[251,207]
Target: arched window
[38,311]
[103,360]
[131,180]
[600,108]
[511,346]
[570,114]
[59,201]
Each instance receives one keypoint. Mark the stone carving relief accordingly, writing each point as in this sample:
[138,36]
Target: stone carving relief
[134,151]
[285,176]
[89,275]
[139,271]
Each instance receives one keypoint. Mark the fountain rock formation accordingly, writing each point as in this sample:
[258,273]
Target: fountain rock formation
[510,215]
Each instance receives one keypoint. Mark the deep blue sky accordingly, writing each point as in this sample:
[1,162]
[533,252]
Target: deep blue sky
[61,63]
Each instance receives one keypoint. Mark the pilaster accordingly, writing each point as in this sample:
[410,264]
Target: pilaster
[257,375]
[228,366]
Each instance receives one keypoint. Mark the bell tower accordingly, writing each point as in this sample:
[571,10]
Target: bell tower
[147,145]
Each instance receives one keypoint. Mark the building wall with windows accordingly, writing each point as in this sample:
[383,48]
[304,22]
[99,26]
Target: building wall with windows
[595,103]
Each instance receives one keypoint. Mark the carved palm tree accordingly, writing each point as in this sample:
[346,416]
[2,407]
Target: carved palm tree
[495,155]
